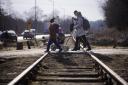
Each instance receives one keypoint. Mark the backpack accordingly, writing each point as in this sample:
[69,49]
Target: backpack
[86,25]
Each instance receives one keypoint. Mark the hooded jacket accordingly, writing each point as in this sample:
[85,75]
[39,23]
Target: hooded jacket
[79,27]
[53,29]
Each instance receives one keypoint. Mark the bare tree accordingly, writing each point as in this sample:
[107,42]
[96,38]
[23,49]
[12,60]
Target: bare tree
[7,6]
[31,14]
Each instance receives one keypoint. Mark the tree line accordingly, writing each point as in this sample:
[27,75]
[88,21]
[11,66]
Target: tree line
[10,21]
[116,14]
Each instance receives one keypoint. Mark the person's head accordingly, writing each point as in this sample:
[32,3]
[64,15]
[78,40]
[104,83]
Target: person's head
[79,14]
[52,20]
[76,13]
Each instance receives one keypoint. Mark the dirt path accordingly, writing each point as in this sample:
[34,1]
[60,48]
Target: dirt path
[37,51]
[111,51]
[21,53]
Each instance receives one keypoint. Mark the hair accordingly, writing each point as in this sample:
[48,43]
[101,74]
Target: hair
[79,13]
[75,11]
[52,20]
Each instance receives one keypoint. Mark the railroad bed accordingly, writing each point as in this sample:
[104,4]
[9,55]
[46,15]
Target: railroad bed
[67,69]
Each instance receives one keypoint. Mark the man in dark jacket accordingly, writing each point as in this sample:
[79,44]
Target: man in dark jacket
[53,30]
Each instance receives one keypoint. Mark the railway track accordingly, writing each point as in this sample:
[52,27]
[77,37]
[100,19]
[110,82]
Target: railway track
[68,68]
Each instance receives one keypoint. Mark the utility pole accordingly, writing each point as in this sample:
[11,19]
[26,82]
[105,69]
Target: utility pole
[35,24]
[64,15]
[53,7]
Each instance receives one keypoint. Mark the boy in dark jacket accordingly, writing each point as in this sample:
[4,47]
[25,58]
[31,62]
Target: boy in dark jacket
[53,30]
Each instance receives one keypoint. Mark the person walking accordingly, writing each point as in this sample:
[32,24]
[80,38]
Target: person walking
[53,30]
[80,33]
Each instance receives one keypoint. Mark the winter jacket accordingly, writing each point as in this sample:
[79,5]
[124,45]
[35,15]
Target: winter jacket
[79,27]
[53,29]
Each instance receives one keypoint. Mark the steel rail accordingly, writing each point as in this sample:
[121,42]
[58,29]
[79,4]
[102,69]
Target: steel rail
[113,74]
[109,71]
[26,71]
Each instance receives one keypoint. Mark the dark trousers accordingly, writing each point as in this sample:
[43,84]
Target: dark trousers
[84,41]
[51,41]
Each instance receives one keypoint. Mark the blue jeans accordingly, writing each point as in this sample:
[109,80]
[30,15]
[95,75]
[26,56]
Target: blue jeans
[51,42]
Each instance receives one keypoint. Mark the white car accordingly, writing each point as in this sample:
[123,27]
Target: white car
[8,35]
[28,34]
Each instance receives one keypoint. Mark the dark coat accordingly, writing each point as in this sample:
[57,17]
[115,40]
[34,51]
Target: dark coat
[53,30]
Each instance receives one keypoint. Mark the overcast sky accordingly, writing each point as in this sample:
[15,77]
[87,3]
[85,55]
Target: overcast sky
[89,8]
